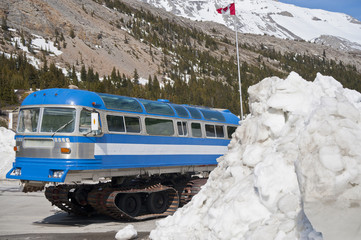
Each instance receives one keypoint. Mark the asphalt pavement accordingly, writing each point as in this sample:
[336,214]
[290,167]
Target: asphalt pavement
[31,216]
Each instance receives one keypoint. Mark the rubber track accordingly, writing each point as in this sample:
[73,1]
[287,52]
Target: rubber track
[103,200]
[59,196]
[192,188]
[97,198]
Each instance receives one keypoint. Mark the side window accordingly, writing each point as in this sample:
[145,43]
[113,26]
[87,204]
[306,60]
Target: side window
[182,128]
[115,123]
[132,124]
[230,131]
[156,126]
[123,124]
[210,131]
[214,131]
[85,121]
[219,131]
[196,130]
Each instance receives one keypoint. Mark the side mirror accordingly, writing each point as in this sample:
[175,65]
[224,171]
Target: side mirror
[10,126]
[95,122]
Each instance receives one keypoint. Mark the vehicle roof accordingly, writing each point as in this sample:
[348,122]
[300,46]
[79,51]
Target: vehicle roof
[76,97]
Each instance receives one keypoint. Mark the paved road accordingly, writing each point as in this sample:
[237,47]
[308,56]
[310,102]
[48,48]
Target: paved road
[31,216]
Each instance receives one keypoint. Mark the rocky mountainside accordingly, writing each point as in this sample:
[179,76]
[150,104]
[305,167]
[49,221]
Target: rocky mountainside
[120,47]
[97,41]
[274,18]
[102,37]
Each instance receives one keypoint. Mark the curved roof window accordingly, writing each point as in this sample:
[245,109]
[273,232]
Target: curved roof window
[212,115]
[194,113]
[157,107]
[121,103]
[181,111]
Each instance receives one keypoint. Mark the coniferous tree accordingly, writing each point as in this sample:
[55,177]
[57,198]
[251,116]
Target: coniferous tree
[74,77]
[149,88]
[4,25]
[156,87]
[198,75]
[72,33]
[136,77]
[83,74]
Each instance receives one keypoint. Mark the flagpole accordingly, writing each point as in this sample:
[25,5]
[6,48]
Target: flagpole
[239,72]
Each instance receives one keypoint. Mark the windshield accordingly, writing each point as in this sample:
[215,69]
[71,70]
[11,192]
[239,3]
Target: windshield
[28,120]
[58,120]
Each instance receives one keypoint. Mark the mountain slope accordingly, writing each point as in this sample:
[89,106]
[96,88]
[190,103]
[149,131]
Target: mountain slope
[99,36]
[274,18]
[129,42]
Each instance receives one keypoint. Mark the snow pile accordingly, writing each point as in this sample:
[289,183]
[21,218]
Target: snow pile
[126,233]
[297,153]
[7,154]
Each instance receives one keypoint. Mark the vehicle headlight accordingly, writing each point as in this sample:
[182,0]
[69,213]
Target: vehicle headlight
[17,172]
[58,174]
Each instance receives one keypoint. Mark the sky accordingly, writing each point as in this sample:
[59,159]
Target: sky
[350,7]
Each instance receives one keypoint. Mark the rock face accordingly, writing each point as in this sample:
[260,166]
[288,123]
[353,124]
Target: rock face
[102,37]
[339,43]
[97,43]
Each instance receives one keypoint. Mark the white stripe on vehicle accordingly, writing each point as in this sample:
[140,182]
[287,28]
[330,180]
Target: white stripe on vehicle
[157,149]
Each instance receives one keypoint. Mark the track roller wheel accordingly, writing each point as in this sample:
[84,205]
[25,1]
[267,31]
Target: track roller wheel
[130,203]
[157,202]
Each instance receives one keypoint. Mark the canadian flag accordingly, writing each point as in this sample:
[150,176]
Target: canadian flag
[230,8]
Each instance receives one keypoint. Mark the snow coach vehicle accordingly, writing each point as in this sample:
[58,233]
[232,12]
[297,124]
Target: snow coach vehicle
[125,157]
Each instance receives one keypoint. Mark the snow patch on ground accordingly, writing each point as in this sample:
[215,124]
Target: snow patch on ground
[7,154]
[126,233]
[292,170]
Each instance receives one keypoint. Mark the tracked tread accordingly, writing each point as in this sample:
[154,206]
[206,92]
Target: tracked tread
[103,200]
[98,197]
[59,196]
[192,188]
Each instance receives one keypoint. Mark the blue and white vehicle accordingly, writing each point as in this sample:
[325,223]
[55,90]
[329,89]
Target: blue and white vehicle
[148,150]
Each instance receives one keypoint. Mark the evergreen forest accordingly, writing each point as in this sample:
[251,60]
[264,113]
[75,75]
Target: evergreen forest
[191,72]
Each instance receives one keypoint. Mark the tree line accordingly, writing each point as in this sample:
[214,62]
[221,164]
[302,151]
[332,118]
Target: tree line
[195,68]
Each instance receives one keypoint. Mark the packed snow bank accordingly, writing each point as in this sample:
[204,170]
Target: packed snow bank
[298,153]
[126,233]
[7,154]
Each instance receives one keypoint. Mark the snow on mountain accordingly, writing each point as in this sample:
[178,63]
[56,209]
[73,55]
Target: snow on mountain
[292,170]
[272,18]
[37,44]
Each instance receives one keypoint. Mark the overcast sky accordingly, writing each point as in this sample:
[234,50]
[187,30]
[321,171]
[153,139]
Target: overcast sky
[350,7]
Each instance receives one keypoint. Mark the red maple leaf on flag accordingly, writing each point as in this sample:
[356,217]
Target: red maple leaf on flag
[230,8]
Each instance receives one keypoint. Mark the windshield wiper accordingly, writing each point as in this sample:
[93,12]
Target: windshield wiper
[62,127]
